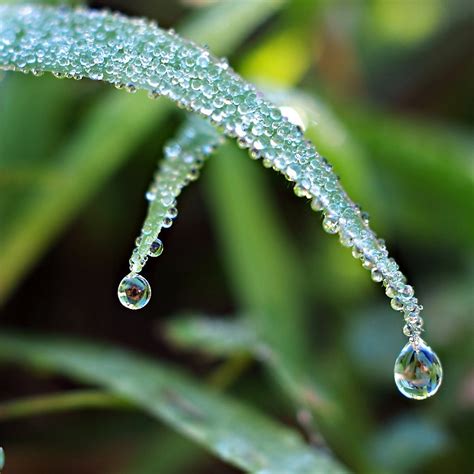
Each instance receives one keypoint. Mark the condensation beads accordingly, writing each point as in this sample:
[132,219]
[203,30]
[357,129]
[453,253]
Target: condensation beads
[183,157]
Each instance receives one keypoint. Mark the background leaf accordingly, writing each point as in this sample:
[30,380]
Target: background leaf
[232,431]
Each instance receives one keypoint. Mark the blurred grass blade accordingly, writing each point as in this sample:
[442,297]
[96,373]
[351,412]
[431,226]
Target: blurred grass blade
[107,134]
[262,262]
[227,23]
[390,445]
[232,431]
[165,453]
[420,164]
[218,337]
[58,402]
[270,288]
[236,337]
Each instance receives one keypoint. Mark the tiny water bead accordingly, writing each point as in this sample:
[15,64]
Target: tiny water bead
[156,248]
[134,291]
[418,373]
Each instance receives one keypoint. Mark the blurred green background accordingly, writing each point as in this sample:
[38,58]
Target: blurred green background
[386,89]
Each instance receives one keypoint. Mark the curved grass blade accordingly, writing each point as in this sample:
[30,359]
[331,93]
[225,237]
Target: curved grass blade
[184,156]
[162,63]
[232,431]
[132,53]
[94,152]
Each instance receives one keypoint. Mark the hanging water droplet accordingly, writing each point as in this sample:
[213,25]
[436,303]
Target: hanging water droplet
[167,222]
[346,239]
[156,248]
[150,195]
[153,94]
[172,212]
[356,251]
[396,304]
[331,224]
[134,291]
[316,204]
[376,275]
[418,374]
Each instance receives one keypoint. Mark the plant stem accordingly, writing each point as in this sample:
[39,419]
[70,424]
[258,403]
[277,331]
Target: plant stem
[59,402]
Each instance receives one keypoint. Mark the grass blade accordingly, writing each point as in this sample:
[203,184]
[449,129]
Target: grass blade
[232,431]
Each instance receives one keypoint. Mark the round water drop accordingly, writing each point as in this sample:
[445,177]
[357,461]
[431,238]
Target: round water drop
[156,248]
[134,291]
[331,224]
[418,375]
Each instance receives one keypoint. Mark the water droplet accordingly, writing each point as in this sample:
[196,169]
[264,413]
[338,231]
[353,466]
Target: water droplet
[134,291]
[172,212]
[396,304]
[376,275]
[153,94]
[365,217]
[167,222]
[150,195]
[331,224]
[156,248]
[356,251]
[316,204]
[418,374]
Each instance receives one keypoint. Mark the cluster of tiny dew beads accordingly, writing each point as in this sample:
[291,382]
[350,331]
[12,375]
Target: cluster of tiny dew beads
[136,54]
[183,158]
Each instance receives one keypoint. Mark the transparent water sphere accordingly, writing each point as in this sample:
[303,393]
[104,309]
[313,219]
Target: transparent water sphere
[156,248]
[134,291]
[418,375]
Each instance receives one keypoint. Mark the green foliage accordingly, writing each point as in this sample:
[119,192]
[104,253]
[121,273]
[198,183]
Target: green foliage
[309,317]
[231,430]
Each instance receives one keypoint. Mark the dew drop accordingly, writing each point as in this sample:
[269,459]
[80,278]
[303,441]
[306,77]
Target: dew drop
[396,304]
[376,275]
[316,204]
[167,222]
[134,291]
[156,248]
[418,374]
[150,195]
[331,224]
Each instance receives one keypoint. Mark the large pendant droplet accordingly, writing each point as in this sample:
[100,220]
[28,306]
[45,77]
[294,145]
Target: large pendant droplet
[418,374]
[134,291]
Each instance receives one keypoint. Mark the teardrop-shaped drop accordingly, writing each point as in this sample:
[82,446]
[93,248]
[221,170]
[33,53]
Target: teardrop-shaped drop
[418,374]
